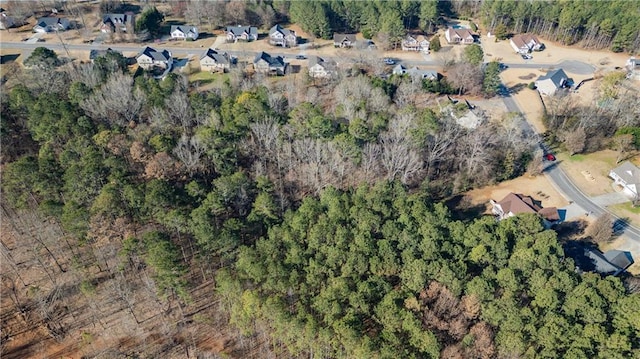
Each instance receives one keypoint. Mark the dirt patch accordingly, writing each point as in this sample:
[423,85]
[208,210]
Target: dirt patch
[528,77]
[537,187]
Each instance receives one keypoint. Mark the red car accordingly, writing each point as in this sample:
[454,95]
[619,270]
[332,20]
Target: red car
[550,157]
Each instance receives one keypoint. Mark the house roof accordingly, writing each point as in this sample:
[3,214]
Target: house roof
[558,77]
[239,30]
[620,259]
[117,18]
[342,37]
[628,172]
[156,55]
[523,40]
[282,30]
[589,258]
[462,33]
[184,28]
[48,21]
[519,203]
[221,58]
[415,71]
[317,60]
[273,61]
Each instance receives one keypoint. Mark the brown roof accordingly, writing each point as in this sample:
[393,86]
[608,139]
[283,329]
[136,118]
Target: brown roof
[519,203]
[463,33]
[522,40]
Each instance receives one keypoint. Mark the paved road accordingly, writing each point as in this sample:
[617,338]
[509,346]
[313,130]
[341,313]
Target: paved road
[576,67]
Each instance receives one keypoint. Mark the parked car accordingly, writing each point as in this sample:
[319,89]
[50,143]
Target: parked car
[503,66]
[300,57]
[526,56]
[389,61]
[550,157]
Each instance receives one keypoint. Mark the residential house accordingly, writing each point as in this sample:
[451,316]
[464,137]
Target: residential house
[551,82]
[525,43]
[344,40]
[633,68]
[459,36]
[514,204]
[117,22]
[149,58]
[415,73]
[320,68]
[627,176]
[280,36]
[242,33]
[49,24]
[415,43]
[184,32]
[590,259]
[215,61]
[267,64]
[6,21]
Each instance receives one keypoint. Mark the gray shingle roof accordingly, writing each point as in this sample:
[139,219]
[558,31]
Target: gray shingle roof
[221,58]
[628,172]
[278,28]
[184,28]
[156,55]
[239,30]
[273,61]
[48,21]
[558,77]
[338,38]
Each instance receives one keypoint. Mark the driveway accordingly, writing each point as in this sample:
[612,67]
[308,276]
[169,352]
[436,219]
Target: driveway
[609,199]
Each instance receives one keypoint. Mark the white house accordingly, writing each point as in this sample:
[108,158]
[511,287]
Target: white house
[514,204]
[214,61]
[551,82]
[320,68]
[627,176]
[150,57]
[280,36]
[49,24]
[184,32]
[242,33]
[525,43]
[415,43]
[459,36]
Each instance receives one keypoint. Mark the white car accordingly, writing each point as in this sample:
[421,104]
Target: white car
[388,61]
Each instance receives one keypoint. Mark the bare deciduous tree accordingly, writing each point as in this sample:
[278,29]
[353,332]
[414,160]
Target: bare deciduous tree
[574,140]
[601,230]
[622,144]
[189,152]
[466,78]
[116,102]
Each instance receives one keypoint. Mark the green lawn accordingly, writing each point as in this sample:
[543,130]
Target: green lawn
[206,77]
[626,207]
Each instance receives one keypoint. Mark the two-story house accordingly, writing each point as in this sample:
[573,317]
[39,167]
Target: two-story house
[242,33]
[415,43]
[215,61]
[320,68]
[118,22]
[271,65]
[280,36]
[149,58]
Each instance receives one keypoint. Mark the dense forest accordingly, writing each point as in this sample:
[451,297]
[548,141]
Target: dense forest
[289,217]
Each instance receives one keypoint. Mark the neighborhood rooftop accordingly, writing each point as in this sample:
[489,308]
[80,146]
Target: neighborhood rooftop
[156,55]
[519,203]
